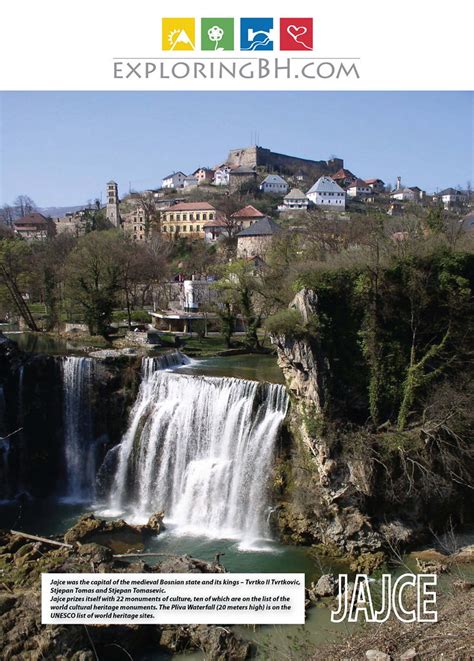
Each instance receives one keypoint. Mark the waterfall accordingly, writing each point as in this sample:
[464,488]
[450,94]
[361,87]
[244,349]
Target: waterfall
[163,362]
[79,442]
[201,449]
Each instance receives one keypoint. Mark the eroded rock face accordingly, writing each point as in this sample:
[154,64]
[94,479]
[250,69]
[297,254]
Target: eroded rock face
[325,501]
[301,365]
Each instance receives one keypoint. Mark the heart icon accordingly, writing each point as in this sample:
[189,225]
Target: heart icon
[295,31]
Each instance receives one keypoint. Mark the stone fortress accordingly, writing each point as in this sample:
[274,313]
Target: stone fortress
[255,156]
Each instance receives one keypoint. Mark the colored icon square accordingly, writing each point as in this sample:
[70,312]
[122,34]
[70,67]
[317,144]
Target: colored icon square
[217,34]
[178,34]
[296,34]
[256,34]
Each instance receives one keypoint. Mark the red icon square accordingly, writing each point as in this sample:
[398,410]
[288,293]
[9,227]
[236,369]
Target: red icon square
[296,34]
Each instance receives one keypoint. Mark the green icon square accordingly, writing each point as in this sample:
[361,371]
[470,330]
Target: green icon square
[217,34]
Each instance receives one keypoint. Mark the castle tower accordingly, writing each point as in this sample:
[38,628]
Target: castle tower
[112,213]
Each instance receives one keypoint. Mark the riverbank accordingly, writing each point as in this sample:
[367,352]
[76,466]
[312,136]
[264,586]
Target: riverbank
[450,638]
[23,560]
[94,544]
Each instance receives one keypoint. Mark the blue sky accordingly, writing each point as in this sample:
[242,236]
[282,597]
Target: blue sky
[60,148]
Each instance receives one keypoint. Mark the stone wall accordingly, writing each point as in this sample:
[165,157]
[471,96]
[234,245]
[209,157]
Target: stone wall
[253,246]
[259,156]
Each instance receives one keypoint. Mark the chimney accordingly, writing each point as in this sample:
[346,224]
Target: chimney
[399,183]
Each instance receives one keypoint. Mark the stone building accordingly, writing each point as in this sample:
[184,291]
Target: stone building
[112,208]
[241,176]
[254,241]
[134,224]
[255,156]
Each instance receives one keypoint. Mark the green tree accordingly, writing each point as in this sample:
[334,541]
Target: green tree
[15,276]
[94,273]
[238,292]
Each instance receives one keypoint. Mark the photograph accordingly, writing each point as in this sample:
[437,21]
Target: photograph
[236,362]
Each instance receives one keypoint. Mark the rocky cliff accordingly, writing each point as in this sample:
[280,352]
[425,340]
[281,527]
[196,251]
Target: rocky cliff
[333,486]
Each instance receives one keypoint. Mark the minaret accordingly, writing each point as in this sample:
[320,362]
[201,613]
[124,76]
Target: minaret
[113,214]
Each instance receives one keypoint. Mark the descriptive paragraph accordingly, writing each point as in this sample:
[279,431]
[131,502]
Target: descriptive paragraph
[172,598]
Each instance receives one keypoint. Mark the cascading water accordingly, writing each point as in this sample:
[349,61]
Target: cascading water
[79,442]
[200,448]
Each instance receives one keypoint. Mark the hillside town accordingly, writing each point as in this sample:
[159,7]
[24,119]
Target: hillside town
[239,210]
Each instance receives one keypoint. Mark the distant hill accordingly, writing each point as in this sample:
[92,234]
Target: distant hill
[58,212]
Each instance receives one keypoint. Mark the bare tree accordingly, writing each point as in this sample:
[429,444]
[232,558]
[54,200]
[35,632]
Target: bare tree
[24,205]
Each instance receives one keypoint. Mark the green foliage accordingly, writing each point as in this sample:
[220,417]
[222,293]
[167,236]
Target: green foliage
[140,316]
[286,322]
[94,273]
[392,330]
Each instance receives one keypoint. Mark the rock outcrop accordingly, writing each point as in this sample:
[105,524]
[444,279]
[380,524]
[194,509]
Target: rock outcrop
[117,535]
[24,637]
[324,501]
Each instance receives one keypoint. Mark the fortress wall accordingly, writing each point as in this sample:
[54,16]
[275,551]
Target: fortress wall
[259,156]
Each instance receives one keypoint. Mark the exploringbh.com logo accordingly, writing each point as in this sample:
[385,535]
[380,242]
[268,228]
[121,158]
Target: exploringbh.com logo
[219,34]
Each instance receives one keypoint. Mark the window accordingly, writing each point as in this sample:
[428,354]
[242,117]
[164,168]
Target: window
[185,216]
[211,216]
[191,216]
[198,216]
[198,228]
[178,216]
[164,228]
[184,228]
[204,216]
[191,228]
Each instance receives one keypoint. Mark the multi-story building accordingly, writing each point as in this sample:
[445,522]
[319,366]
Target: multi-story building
[274,185]
[295,199]
[326,193]
[112,208]
[359,188]
[221,176]
[187,219]
[173,180]
[34,227]
[377,185]
[204,175]
[134,224]
[450,197]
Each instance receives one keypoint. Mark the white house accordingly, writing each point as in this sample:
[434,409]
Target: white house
[190,182]
[274,184]
[359,188]
[403,194]
[325,192]
[221,176]
[174,180]
[295,199]
[451,197]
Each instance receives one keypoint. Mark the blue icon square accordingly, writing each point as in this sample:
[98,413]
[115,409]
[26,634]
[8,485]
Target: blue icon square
[256,34]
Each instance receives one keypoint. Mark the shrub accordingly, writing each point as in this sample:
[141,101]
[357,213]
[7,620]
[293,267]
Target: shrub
[286,322]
